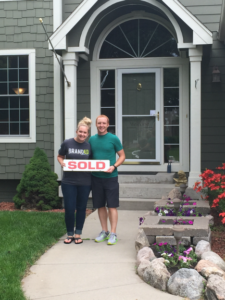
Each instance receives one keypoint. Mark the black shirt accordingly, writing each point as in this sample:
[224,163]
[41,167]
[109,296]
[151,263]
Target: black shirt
[74,150]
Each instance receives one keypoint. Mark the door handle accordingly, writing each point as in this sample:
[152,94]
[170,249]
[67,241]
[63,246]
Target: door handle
[158,116]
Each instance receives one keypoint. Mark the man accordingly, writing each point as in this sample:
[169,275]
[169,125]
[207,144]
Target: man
[105,186]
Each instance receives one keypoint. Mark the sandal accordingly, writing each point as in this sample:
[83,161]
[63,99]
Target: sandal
[76,239]
[71,238]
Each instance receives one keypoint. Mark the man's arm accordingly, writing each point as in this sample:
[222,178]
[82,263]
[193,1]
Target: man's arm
[119,161]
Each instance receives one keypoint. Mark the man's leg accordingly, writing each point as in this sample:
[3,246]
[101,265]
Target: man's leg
[103,215]
[113,218]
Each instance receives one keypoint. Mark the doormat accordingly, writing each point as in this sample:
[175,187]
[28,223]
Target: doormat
[138,173]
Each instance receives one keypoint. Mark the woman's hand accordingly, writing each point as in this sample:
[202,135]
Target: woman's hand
[62,164]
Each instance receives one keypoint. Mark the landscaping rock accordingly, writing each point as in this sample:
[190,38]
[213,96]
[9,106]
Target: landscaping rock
[174,193]
[144,253]
[157,275]
[186,283]
[215,289]
[201,247]
[142,267]
[204,264]
[215,258]
[141,240]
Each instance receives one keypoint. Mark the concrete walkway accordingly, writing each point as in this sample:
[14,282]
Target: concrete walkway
[92,271]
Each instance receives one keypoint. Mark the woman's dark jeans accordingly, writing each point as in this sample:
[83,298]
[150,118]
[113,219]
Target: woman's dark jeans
[75,198]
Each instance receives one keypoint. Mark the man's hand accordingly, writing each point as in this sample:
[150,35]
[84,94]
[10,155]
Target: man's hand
[110,169]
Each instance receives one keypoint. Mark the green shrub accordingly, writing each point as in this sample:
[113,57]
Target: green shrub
[38,187]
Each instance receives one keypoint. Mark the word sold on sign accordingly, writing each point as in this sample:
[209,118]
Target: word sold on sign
[86,165]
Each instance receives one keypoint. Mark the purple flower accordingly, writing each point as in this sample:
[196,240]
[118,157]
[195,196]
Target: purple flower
[163,221]
[141,220]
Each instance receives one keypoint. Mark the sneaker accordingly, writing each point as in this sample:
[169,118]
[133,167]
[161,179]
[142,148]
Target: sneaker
[112,239]
[102,236]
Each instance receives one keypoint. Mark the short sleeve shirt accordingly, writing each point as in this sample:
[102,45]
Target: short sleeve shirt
[105,147]
[74,150]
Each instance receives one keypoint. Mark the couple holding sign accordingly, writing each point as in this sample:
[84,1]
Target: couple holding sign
[76,186]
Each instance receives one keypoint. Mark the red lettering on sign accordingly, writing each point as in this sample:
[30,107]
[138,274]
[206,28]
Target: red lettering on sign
[80,165]
[100,165]
[89,166]
[72,165]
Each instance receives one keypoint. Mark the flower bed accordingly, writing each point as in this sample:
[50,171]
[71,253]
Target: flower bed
[176,222]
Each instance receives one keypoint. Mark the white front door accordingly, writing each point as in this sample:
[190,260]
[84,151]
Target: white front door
[139,115]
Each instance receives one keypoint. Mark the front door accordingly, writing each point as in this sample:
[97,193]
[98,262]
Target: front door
[139,114]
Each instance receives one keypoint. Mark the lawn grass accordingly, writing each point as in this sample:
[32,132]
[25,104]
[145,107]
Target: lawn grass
[24,237]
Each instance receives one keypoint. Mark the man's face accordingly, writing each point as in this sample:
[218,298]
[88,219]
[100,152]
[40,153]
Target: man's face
[102,125]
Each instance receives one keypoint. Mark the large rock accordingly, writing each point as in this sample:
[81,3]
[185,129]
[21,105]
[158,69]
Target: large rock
[186,283]
[207,268]
[144,254]
[174,193]
[157,275]
[201,247]
[215,289]
[215,258]
[141,240]
[142,267]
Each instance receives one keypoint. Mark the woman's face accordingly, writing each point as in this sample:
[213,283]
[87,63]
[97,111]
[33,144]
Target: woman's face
[82,133]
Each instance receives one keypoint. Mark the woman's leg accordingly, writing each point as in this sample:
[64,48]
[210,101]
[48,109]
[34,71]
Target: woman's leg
[70,196]
[82,198]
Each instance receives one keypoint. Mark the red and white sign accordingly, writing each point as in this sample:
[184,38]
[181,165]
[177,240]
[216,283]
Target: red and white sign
[86,165]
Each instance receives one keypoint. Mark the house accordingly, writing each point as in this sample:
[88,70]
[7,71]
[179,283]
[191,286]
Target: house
[155,67]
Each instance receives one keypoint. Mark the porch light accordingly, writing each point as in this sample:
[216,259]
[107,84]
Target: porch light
[19,90]
[216,75]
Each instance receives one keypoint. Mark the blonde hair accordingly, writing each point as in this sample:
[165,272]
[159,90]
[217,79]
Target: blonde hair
[84,122]
[102,116]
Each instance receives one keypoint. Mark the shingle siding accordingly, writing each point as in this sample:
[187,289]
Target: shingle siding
[21,29]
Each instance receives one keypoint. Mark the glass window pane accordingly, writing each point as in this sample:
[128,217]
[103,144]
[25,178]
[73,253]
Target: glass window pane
[14,102]
[111,129]
[24,102]
[24,115]
[4,115]
[138,93]
[171,134]
[13,75]
[23,61]
[4,128]
[171,151]
[171,77]
[13,88]
[24,128]
[108,79]
[171,115]
[3,75]
[3,62]
[13,61]
[139,137]
[23,75]
[108,98]
[3,102]
[171,97]
[110,113]
[14,115]
[14,128]
[3,88]
[24,87]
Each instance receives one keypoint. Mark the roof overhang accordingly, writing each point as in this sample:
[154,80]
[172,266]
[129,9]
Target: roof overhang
[201,35]
[221,34]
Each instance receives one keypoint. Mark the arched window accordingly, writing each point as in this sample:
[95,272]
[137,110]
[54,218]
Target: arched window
[139,38]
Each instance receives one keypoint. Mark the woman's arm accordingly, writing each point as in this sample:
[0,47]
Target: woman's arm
[60,159]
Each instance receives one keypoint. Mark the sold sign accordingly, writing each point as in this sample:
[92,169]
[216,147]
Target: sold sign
[86,165]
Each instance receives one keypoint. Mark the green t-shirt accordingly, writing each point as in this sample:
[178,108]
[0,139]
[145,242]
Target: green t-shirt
[105,147]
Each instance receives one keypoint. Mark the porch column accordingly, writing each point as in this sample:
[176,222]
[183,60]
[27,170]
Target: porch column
[70,62]
[195,57]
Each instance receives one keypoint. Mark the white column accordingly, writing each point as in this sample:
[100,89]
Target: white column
[195,57]
[70,61]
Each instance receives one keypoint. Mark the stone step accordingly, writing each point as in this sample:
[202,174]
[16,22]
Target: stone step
[142,178]
[136,204]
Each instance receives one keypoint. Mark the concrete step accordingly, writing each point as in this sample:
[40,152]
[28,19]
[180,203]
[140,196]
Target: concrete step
[137,204]
[158,178]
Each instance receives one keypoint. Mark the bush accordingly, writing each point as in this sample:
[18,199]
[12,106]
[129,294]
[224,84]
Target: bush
[38,187]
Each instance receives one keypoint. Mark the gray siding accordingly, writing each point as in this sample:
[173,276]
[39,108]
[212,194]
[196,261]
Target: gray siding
[69,6]
[213,108]
[206,11]
[21,29]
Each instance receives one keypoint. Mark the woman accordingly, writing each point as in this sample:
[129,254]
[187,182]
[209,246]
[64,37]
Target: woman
[76,185]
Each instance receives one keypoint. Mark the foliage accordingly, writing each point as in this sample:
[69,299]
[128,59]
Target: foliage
[215,184]
[38,187]
[25,236]
[183,259]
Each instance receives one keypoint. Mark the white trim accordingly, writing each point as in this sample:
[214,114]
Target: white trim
[32,96]
[183,65]
[78,49]
[197,27]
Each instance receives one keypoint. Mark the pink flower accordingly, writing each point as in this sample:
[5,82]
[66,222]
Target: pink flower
[160,244]
[190,222]
[155,244]
[164,244]
[194,203]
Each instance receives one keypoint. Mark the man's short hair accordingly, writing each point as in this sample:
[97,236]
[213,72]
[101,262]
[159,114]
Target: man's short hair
[102,116]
